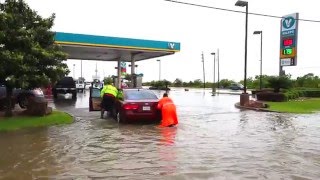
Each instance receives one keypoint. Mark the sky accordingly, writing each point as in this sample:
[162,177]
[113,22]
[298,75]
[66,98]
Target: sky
[197,29]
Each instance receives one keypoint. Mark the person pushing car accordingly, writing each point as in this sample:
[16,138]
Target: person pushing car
[168,111]
[108,94]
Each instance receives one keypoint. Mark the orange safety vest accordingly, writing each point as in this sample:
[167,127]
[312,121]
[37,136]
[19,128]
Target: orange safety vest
[168,111]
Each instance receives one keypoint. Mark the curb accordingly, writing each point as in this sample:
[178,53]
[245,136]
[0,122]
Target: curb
[237,105]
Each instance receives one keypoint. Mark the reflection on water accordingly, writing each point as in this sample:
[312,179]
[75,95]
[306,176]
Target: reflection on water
[213,140]
[168,135]
[64,103]
[27,154]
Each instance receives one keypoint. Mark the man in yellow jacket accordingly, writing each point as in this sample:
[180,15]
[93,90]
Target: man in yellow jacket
[108,95]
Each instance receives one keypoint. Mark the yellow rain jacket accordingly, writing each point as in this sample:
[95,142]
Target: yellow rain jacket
[109,89]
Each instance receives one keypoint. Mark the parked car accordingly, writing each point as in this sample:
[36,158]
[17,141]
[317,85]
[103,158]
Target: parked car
[19,96]
[80,85]
[137,105]
[88,85]
[64,86]
[236,86]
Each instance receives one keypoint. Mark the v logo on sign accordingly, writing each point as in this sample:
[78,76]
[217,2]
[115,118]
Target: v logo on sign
[288,22]
[171,45]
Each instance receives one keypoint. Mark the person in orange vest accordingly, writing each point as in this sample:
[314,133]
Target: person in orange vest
[168,111]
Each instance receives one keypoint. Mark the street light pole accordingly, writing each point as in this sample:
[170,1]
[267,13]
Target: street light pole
[260,32]
[159,69]
[214,73]
[218,57]
[244,99]
[204,74]
[245,4]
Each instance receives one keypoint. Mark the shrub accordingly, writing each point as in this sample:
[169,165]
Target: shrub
[278,82]
[311,93]
[292,94]
[271,96]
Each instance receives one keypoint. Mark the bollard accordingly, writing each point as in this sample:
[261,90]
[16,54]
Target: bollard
[244,99]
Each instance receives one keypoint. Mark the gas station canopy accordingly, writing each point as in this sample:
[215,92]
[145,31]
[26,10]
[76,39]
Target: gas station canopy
[103,48]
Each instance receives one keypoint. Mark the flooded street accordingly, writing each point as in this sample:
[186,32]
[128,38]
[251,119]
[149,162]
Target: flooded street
[214,140]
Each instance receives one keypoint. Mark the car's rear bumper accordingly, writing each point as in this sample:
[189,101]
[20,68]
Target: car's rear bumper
[147,116]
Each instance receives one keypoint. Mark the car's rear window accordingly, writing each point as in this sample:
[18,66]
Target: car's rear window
[139,95]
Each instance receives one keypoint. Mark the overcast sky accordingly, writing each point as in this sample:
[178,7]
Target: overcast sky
[197,29]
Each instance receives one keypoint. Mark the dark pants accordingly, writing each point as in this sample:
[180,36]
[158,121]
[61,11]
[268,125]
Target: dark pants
[107,102]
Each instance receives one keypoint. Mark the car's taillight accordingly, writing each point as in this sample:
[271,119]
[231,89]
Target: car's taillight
[130,106]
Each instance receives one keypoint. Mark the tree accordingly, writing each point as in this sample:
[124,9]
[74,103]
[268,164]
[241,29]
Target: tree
[178,82]
[278,82]
[308,80]
[225,83]
[27,51]
[197,83]
[108,80]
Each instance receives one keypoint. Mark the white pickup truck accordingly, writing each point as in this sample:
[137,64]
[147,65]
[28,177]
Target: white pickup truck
[80,85]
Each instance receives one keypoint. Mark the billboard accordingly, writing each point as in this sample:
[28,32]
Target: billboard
[288,40]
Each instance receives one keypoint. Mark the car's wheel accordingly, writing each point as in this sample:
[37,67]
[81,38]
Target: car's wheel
[74,95]
[55,95]
[113,113]
[2,105]
[23,101]
[119,118]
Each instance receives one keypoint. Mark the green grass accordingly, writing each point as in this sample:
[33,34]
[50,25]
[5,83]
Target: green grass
[18,122]
[302,107]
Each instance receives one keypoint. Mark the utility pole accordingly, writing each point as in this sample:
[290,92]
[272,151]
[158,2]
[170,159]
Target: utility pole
[261,63]
[218,68]
[214,74]
[204,74]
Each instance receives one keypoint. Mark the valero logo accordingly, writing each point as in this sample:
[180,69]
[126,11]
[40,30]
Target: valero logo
[288,22]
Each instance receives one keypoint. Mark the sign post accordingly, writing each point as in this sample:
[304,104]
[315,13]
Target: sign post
[288,41]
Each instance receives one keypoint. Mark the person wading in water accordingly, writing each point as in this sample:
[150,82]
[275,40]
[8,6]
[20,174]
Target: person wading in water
[168,111]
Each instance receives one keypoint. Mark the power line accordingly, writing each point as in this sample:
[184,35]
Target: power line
[235,11]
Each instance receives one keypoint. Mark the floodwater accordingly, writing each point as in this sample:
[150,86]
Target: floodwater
[213,140]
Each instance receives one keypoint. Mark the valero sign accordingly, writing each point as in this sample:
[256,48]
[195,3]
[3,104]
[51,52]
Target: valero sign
[288,40]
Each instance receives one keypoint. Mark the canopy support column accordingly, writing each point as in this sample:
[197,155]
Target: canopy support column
[133,74]
[132,65]
[118,85]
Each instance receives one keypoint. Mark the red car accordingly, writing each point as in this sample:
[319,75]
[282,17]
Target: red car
[137,105]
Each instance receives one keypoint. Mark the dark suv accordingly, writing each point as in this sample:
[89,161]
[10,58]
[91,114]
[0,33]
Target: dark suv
[19,96]
[64,86]
[236,86]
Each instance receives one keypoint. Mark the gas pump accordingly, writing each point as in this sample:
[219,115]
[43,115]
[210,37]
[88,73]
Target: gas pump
[131,81]
[137,80]
[94,95]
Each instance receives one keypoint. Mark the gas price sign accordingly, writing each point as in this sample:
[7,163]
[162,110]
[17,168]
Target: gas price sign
[288,42]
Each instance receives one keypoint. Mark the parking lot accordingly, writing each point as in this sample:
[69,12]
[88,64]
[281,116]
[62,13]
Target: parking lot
[213,140]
